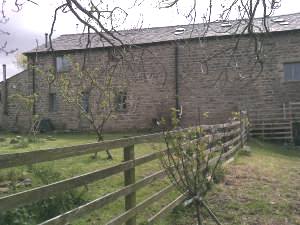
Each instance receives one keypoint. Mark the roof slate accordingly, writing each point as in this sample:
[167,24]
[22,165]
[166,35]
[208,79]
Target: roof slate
[163,34]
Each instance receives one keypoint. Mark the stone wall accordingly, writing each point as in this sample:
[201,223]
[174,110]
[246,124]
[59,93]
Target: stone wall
[223,85]
[17,117]
[219,88]
[149,74]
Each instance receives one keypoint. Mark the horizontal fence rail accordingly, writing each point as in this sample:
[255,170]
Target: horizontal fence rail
[232,135]
[275,123]
[104,200]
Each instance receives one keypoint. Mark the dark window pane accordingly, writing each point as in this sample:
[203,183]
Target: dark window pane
[287,72]
[85,101]
[114,55]
[292,72]
[62,64]
[121,101]
[297,72]
[53,106]
[59,64]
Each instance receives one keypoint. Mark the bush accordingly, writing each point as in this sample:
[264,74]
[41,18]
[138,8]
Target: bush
[2,139]
[219,174]
[34,139]
[45,209]
[22,143]
[46,174]
[45,126]
[19,142]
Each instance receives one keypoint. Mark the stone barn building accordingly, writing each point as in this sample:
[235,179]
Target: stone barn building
[168,67]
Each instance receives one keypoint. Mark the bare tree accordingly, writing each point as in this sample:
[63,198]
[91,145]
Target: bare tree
[96,93]
[24,105]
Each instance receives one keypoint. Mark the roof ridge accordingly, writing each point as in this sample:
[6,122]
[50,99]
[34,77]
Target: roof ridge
[178,25]
[165,33]
[286,14]
[134,29]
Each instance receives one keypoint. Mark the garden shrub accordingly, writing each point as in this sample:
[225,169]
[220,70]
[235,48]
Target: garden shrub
[21,143]
[2,139]
[45,126]
[40,211]
[219,175]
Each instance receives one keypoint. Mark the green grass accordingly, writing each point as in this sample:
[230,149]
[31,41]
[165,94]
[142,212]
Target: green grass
[260,189]
[61,140]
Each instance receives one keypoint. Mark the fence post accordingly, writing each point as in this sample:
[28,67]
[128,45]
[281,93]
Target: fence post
[129,178]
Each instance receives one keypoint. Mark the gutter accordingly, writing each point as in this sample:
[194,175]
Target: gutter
[4,91]
[177,106]
[33,82]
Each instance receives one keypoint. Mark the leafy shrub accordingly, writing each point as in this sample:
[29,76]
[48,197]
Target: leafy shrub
[34,139]
[46,174]
[22,143]
[45,209]
[12,176]
[46,125]
[219,174]
[2,139]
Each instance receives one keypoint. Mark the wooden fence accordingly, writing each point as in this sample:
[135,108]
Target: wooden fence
[234,137]
[275,123]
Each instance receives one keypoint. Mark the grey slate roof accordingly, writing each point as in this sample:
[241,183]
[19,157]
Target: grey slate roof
[161,34]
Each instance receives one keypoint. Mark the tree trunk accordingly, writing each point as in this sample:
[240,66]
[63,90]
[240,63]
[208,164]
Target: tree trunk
[197,207]
[99,139]
[109,155]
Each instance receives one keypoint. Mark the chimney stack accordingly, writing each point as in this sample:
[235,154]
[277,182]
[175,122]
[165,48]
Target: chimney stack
[4,91]
[46,40]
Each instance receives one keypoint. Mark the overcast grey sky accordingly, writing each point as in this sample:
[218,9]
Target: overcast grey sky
[33,21]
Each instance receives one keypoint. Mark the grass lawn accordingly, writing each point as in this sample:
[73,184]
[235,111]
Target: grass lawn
[260,189]
[54,140]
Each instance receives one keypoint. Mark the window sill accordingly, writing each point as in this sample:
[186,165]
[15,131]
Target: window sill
[121,110]
[61,72]
[290,81]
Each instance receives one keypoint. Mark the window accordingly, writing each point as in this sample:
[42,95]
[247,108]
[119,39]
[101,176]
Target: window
[85,101]
[292,71]
[114,55]
[53,106]
[62,64]
[121,101]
